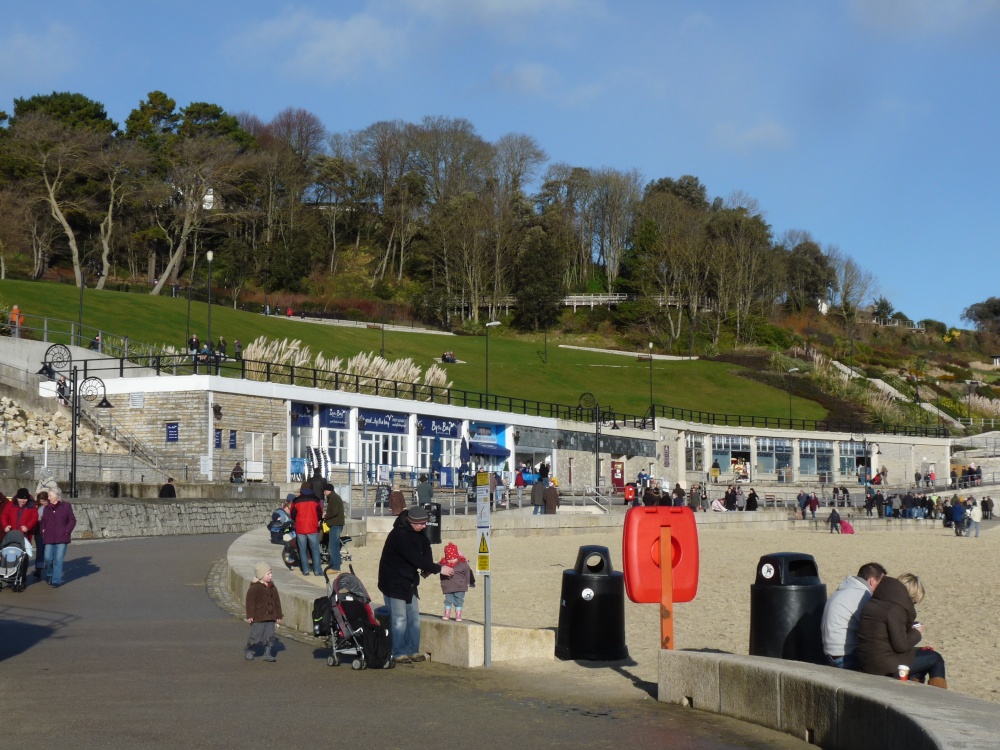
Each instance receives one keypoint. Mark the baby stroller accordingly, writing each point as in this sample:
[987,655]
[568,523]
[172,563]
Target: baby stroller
[13,561]
[345,618]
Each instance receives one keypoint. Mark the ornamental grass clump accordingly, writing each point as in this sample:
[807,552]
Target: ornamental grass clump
[290,362]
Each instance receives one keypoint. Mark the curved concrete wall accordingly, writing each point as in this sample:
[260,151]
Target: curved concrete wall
[456,644]
[832,708]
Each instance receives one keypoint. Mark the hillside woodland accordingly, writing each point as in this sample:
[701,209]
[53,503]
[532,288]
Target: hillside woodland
[430,221]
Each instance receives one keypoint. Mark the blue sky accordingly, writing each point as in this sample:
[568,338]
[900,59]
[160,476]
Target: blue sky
[872,124]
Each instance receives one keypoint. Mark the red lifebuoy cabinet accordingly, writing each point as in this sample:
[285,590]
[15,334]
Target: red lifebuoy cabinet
[641,553]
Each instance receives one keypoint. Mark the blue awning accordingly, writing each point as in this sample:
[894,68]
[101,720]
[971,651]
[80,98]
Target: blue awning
[488,449]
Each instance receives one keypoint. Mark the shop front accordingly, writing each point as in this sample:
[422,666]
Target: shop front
[439,445]
[383,439]
[487,451]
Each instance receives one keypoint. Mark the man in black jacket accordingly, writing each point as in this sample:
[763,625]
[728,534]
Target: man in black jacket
[406,554]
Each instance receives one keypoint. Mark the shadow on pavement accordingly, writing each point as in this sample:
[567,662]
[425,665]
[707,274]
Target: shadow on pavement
[22,628]
[78,567]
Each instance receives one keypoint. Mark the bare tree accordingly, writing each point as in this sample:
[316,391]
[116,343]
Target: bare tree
[202,173]
[57,159]
[618,194]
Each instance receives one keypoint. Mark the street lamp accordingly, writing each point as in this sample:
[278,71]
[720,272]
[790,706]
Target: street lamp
[491,324]
[788,382]
[89,390]
[208,256]
[652,412]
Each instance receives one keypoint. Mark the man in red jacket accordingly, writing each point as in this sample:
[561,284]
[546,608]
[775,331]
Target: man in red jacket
[307,512]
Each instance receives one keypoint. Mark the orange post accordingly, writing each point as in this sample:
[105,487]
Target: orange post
[666,589]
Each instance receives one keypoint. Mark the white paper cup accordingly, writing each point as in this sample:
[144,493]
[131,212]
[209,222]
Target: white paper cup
[904,671]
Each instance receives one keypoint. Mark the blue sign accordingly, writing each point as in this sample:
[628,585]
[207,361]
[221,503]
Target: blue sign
[435,427]
[302,415]
[385,421]
[232,440]
[483,432]
[336,417]
[173,432]
[218,438]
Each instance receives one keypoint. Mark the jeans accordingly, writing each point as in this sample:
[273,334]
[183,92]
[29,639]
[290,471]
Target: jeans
[404,624]
[335,546]
[309,542]
[926,663]
[455,599]
[54,556]
[539,510]
[973,525]
[39,552]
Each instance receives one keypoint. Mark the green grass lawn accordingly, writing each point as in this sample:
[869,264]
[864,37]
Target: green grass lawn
[516,364]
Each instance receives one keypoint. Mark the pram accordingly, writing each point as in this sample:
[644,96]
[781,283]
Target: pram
[13,561]
[346,620]
[290,553]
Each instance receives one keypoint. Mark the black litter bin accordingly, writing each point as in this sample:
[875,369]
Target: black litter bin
[592,609]
[433,529]
[786,608]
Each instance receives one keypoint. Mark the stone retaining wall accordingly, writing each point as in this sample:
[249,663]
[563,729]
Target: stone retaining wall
[832,708]
[97,519]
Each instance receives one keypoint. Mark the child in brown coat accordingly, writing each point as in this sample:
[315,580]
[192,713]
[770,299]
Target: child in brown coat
[263,613]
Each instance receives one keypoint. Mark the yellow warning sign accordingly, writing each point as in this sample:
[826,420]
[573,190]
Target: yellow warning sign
[483,556]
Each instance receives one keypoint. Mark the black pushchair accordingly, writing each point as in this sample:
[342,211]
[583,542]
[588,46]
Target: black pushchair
[345,619]
[13,561]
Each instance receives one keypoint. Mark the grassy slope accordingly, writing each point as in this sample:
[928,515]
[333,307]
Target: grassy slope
[516,366]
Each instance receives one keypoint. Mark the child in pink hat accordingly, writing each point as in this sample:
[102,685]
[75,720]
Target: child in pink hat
[454,588]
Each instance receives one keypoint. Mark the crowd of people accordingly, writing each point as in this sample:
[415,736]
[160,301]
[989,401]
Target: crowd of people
[42,524]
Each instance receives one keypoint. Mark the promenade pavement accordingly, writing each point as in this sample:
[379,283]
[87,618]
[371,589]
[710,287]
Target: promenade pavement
[134,651]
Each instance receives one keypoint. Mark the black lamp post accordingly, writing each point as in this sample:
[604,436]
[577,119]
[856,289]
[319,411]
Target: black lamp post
[90,390]
[491,324]
[189,317]
[652,411]
[788,380]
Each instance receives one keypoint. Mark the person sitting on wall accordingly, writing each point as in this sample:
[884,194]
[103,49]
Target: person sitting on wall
[236,475]
[168,490]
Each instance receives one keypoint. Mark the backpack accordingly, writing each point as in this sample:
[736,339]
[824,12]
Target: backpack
[322,616]
[377,645]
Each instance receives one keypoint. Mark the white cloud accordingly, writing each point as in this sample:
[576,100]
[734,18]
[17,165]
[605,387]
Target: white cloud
[333,49]
[531,79]
[492,11]
[923,16]
[768,136]
[36,58]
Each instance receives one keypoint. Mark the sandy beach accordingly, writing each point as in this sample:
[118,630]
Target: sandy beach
[959,574]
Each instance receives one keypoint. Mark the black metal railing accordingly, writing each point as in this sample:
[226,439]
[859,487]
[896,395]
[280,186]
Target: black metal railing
[271,372]
[783,423]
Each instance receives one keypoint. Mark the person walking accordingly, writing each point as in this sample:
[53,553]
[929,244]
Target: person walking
[538,498]
[58,523]
[406,555]
[425,491]
[238,350]
[41,503]
[834,521]
[975,517]
[958,515]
